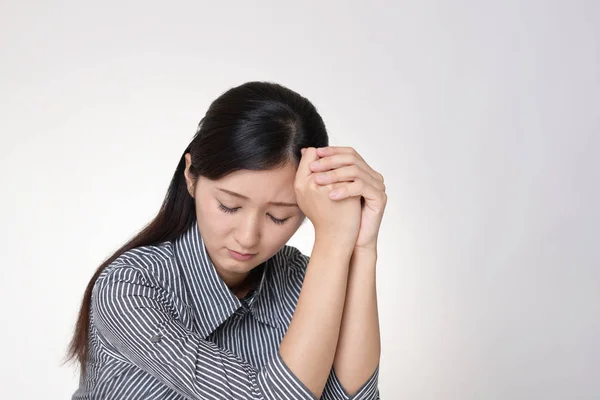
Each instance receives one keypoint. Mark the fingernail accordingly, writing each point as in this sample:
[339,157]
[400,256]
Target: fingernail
[302,150]
[334,194]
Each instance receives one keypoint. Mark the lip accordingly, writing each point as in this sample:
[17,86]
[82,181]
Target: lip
[240,256]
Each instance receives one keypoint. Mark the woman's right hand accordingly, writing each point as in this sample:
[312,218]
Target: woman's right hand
[335,219]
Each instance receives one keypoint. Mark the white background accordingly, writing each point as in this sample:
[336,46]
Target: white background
[483,116]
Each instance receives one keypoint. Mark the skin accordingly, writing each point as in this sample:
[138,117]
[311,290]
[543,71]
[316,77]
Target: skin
[344,335]
[358,348]
[250,228]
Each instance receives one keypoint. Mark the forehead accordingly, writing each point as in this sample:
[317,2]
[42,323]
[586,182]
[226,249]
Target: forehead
[261,186]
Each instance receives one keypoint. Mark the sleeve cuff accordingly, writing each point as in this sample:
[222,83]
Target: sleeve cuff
[277,381]
[335,391]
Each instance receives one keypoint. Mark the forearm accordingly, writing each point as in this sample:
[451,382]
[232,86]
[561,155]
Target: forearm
[358,349]
[309,346]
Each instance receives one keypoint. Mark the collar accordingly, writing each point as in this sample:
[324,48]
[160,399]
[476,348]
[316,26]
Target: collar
[212,300]
[262,301]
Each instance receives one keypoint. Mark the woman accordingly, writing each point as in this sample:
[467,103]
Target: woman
[208,301]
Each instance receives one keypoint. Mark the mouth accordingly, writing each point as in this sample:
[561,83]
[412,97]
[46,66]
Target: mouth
[241,256]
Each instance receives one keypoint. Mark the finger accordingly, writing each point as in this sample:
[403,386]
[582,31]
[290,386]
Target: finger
[348,174]
[338,160]
[333,150]
[371,194]
[308,155]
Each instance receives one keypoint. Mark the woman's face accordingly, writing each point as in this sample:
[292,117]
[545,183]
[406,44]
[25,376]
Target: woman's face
[236,213]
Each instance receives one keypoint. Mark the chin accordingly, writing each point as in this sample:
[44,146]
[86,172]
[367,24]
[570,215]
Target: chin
[232,265]
[238,268]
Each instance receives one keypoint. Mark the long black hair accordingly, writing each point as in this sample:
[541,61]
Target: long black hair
[254,126]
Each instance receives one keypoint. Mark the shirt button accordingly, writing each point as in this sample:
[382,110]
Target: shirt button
[156,338]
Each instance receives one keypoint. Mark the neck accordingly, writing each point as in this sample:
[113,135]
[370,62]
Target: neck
[241,284]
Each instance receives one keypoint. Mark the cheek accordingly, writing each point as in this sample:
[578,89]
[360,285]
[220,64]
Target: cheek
[212,222]
[275,237]
[217,223]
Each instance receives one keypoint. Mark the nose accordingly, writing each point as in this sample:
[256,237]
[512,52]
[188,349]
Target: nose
[248,235]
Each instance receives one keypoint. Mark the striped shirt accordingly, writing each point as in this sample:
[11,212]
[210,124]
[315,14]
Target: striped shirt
[164,325]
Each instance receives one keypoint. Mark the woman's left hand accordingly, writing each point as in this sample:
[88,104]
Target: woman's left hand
[352,176]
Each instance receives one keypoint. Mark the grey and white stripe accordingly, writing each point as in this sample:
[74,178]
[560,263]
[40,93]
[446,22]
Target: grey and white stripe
[163,325]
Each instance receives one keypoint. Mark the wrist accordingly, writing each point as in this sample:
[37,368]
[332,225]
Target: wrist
[366,249]
[364,255]
[337,239]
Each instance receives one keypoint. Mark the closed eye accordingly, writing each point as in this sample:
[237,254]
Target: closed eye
[278,221]
[228,210]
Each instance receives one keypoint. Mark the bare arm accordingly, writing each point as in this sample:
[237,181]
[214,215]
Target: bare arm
[357,356]
[309,346]
[358,349]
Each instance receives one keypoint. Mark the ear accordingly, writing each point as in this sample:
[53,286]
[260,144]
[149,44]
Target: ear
[189,182]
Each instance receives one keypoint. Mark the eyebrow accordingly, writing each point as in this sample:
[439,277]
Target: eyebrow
[275,203]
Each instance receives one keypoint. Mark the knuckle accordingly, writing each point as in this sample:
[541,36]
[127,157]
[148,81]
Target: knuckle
[357,155]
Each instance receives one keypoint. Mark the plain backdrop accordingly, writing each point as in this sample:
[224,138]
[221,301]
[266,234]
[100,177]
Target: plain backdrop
[483,117]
